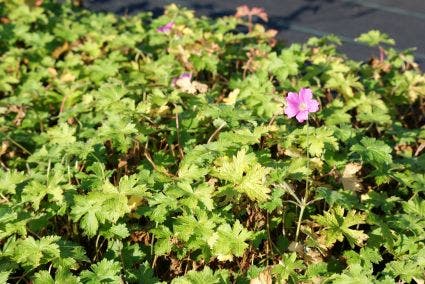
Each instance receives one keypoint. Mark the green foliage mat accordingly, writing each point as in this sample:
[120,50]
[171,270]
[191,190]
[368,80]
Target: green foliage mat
[117,169]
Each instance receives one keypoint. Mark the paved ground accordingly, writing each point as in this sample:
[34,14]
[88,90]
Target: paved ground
[297,20]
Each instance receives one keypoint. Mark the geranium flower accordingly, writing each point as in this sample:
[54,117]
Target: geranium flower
[165,28]
[301,104]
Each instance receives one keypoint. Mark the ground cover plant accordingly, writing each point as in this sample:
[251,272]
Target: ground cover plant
[190,150]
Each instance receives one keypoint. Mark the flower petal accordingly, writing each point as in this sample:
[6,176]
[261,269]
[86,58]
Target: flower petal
[293,98]
[305,95]
[312,105]
[302,115]
[165,28]
[291,110]
[185,75]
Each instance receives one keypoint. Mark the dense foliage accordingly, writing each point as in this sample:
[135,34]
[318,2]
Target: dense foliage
[115,168]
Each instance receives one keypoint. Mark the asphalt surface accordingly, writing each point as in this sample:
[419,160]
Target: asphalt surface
[297,20]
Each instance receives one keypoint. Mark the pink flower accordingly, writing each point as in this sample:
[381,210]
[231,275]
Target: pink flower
[165,28]
[301,104]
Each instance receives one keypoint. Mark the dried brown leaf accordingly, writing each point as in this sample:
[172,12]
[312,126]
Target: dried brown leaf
[202,88]
[60,50]
[20,114]
[349,178]
[4,147]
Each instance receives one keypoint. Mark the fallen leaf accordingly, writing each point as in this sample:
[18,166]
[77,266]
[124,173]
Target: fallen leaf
[202,88]
[20,114]
[185,85]
[60,50]
[296,247]
[140,237]
[4,146]
[349,178]
[312,256]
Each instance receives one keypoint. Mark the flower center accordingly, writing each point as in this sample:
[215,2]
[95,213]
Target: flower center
[302,106]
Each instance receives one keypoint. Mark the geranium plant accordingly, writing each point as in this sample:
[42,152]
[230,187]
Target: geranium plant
[167,149]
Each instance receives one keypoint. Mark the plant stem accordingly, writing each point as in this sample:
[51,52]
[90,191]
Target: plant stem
[300,217]
[216,132]
[18,145]
[303,204]
[178,136]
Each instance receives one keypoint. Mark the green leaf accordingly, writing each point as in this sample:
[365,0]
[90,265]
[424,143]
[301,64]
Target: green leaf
[144,274]
[415,207]
[187,226]
[105,271]
[163,243]
[373,151]
[336,226]
[275,200]
[407,268]
[193,197]
[118,231]
[10,180]
[367,257]
[287,268]
[355,274]
[245,175]
[319,138]
[204,276]
[227,242]
[43,277]
[374,38]
[344,84]
[131,185]
[99,207]
[53,188]
[192,172]
[31,253]
[4,276]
